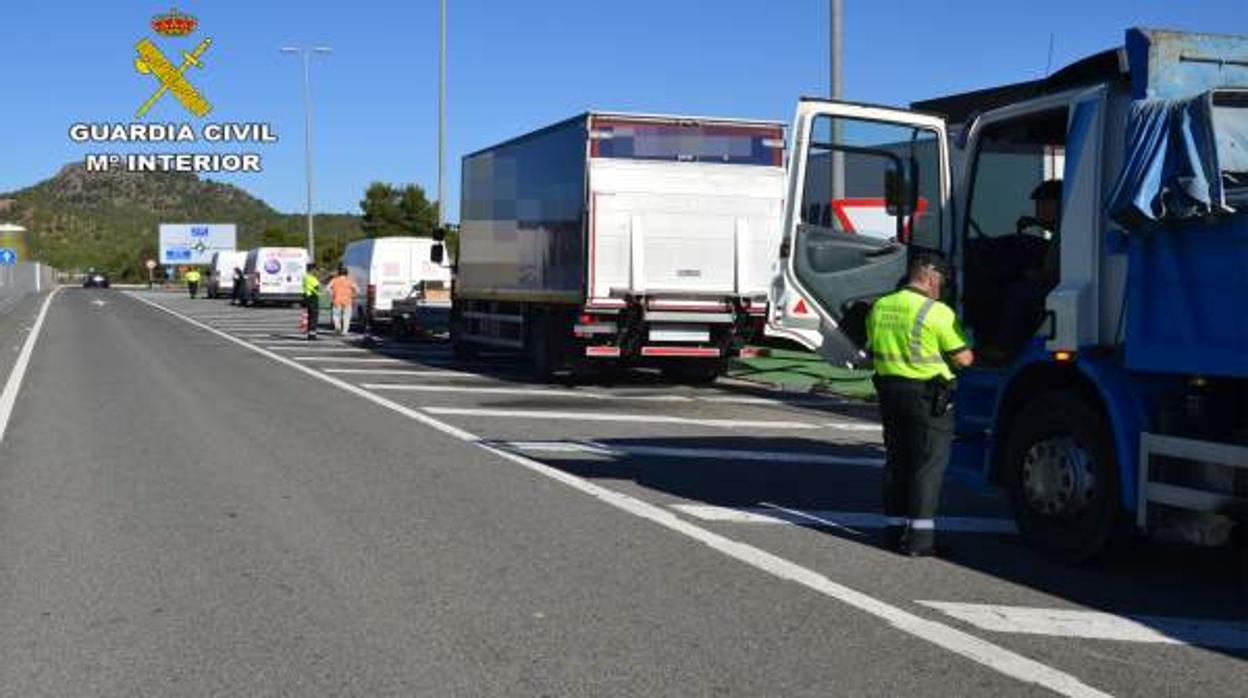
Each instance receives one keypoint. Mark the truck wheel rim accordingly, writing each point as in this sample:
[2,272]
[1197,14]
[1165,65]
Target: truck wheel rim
[1057,477]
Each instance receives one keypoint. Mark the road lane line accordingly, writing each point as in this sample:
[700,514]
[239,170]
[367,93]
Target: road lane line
[349,359]
[959,642]
[618,417]
[728,454]
[1098,625]
[851,519]
[547,392]
[315,350]
[777,402]
[812,518]
[413,372]
[8,397]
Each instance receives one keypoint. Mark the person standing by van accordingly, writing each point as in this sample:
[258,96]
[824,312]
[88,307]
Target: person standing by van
[236,292]
[193,278]
[312,299]
[342,293]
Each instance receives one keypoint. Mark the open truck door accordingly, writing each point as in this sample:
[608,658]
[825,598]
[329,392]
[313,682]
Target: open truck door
[864,185]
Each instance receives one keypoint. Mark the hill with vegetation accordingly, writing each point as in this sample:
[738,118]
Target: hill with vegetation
[109,220]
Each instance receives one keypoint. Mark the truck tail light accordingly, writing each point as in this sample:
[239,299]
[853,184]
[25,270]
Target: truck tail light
[372,295]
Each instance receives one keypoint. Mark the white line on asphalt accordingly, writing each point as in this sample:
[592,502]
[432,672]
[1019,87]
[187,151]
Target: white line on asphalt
[414,372]
[1097,625]
[616,417]
[812,518]
[853,426]
[305,347]
[948,637]
[722,454]
[546,392]
[776,402]
[349,359]
[853,519]
[8,397]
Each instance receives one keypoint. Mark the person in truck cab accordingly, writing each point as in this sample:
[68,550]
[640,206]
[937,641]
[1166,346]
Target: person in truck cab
[1023,298]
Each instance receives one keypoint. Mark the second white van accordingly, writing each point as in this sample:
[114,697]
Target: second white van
[274,275]
[386,269]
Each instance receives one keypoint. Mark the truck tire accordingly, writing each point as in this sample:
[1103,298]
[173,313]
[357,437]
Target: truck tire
[1061,476]
[693,371]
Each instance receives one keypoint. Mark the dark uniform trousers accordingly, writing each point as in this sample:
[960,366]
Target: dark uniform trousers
[313,303]
[916,441]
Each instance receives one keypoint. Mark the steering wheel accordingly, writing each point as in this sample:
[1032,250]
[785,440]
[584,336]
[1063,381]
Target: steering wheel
[1025,222]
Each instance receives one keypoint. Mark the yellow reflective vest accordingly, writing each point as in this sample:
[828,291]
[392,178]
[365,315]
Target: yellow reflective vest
[311,285]
[909,335]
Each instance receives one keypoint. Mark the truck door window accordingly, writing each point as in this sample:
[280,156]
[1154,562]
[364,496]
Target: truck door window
[848,171]
[1012,233]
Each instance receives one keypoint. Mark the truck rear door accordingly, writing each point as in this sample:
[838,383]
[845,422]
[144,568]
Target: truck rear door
[865,184]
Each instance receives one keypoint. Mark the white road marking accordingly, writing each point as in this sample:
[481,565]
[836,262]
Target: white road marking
[349,359]
[546,392]
[776,402]
[854,426]
[313,349]
[1097,625]
[414,372]
[728,454]
[852,519]
[8,397]
[616,417]
[945,636]
[812,518]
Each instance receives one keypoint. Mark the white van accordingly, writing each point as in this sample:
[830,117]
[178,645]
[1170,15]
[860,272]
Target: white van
[386,270]
[274,275]
[219,279]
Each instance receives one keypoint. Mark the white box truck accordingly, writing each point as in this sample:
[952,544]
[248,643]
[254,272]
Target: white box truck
[274,275]
[220,281]
[621,238]
[387,269]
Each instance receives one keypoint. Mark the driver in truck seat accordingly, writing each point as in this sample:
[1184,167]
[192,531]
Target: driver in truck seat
[1023,308]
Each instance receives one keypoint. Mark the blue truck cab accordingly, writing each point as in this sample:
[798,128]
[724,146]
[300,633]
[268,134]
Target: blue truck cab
[1098,223]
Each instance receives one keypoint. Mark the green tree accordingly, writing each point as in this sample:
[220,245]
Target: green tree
[390,210]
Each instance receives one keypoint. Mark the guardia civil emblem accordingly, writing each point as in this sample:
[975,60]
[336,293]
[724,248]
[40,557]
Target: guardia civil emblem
[171,78]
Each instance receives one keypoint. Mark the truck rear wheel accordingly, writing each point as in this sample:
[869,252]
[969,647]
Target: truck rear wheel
[1061,476]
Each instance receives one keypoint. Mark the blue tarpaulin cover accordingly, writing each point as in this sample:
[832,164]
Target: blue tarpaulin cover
[1171,166]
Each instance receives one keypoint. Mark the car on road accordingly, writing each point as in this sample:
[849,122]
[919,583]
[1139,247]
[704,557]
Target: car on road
[95,279]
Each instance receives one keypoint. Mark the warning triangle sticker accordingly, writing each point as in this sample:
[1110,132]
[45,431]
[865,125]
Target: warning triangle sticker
[800,308]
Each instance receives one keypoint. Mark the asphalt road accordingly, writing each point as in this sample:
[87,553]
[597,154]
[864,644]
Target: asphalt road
[193,501]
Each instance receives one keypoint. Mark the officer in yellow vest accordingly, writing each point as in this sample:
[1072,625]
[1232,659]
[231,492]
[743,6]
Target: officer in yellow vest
[915,342]
[312,299]
[193,277]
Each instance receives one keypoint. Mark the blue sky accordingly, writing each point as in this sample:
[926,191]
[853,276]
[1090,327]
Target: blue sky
[514,66]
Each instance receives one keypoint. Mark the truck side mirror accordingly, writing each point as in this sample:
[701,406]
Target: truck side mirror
[436,253]
[439,234]
[900,193]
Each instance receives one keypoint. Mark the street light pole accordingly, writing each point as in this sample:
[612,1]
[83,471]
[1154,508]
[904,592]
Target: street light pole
[442,119]
[306,54]
[835,53]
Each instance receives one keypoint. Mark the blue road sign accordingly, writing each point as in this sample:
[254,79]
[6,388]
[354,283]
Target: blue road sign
[7,256]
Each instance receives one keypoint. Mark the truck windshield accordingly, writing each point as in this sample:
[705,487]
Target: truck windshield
[688,141]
